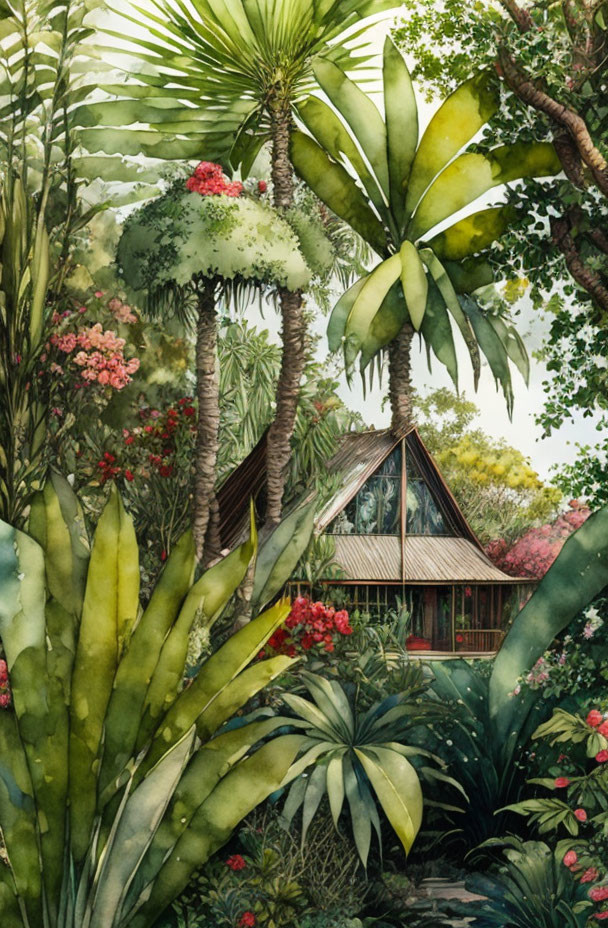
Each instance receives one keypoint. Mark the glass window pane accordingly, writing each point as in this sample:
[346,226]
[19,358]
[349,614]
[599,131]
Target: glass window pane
[424,516]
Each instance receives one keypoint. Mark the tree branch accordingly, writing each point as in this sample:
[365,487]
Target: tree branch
[586,277]
[520,17]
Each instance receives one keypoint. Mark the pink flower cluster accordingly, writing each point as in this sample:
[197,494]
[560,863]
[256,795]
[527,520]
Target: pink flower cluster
[310,625]
[98,354]
[5,692]
[532,555]
[208,180]
[122,312]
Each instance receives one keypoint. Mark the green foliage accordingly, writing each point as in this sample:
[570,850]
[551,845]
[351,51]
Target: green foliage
[532,890]
[154,787]
[182,235]
[427,185]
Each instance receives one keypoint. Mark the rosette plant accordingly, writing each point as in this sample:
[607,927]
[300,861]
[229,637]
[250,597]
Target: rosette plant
[116,783]
[398,193]
[355,755]
[200,243]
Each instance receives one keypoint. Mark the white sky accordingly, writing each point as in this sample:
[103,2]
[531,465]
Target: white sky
[522,432]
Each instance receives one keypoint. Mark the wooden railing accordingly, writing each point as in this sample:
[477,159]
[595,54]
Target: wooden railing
[479,639]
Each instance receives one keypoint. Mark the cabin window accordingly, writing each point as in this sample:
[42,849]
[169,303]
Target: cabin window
[424,517]
[375,510]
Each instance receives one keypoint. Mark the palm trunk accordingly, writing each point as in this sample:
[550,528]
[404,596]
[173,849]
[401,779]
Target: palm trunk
[208,423]
[293,330]
[400,380]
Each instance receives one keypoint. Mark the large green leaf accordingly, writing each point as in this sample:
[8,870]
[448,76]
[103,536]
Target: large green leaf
[492,348]
[109,611]
[437,331]
[386,324]
[578,574]
[470,175]
[414,283]
[454,124]
[340,313]
[397,787]
[368,302]
[335,187]
[280,553]
[401,115]
[361,114]
[240,791]
[472,234]
[513,344]
[469,275]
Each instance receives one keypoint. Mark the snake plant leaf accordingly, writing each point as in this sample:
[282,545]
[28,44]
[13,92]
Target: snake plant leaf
[339,315]
[329,130]
[385,325]
[436,330]
[336,188]
[469,275]
[454,124]
[513,344]
[470,175]
[361,114]
[133,831]
[579,573]
[240,791]
[472,234]
[137,667]
[401,115]
[414,283]
[315,791]
[108,613]
[335,785]
[492,348]
[450,298]
[204,601]
[359,813]
[280,553]
[219,671]
[18,816]
[368,302]
[397,787]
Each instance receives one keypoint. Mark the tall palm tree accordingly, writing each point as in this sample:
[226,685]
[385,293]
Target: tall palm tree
[401,195]
[223,80]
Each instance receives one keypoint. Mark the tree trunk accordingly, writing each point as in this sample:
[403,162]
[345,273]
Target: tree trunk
[293,329]
[208,423]
[400,380]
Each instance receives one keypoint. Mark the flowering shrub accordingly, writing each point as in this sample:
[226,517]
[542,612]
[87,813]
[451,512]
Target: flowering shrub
[208,180]
[535,551]
[580,808]
[5,692]
[309,627]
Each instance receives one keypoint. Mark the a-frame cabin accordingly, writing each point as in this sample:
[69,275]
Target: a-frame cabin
[401,538]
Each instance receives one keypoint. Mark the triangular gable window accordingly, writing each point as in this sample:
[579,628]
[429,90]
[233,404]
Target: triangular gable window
[424,517]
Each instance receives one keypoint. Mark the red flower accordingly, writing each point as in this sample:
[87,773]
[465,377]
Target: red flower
[247,920]
[561,782]
[262,186]
[602,756]
[590,875]
[166,470]
[188,410]
[236,862]
[163,555]
[603,729]
[570,858]
[307,642]
[128,475]
[459,638]
[594,718]
[129,440]
[599,893]
[601,915]
[580,814]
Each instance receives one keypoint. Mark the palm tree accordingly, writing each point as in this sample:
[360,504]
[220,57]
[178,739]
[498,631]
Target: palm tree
[223,80]
[404,190]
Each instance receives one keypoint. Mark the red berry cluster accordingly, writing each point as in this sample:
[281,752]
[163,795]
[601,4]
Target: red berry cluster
[208,180]
[307,626]
[5,692]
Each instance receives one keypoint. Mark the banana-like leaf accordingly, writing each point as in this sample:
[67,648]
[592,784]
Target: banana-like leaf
[470,175]
[437,331]
[472,234]
[397,787]
[454,124]
[215,676]
[368,302]
[385,325]
[513,345]
[335,187]
[361,114]
[492,348]
[280,553]
[240,791]
[578,574]
[109,611]
[469,275]
[414,283]
[340,313]
[401,115]
[133,832]
[139,663]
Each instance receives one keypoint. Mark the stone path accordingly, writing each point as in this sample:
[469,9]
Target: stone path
[444,890]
